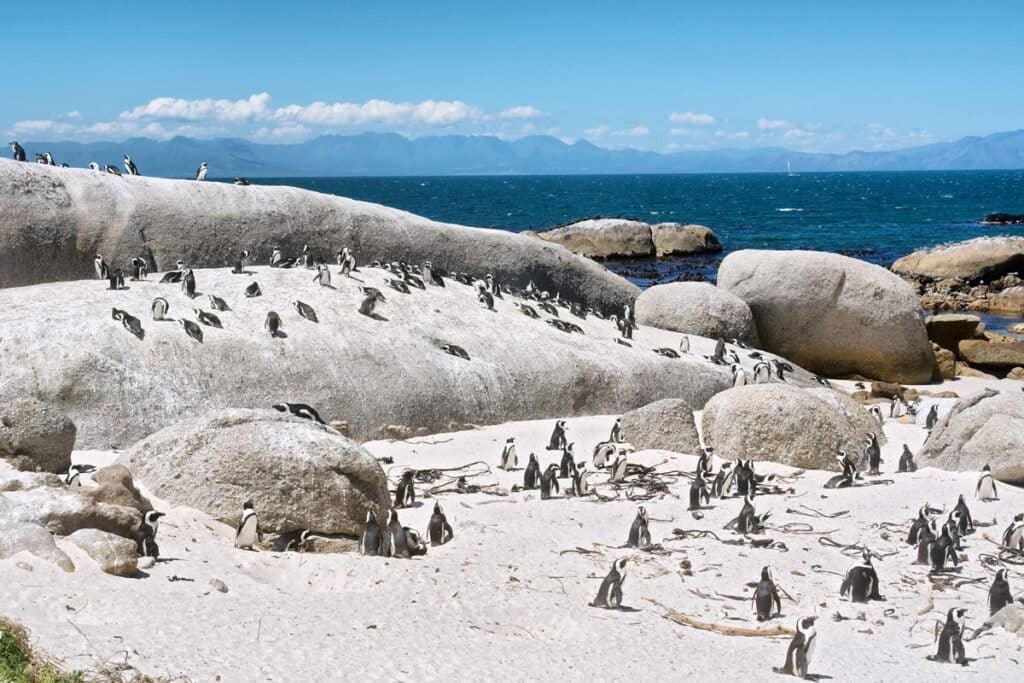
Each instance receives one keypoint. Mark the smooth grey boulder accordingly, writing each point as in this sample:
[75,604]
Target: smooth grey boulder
[855,413]
[610,238]
[697,308]
[784,424]
[676,239]
[35,436]
[833,314]
[299,474]
[666,425]
[371,372]
[16,537]
[981,259]
[63,512]
[55,221]
[114,555]
[984,429]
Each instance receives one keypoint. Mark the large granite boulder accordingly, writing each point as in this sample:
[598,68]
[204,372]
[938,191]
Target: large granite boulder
[114,555]
[785,424]
[949,329]
[373,372]
[1009,300]
[984,429]
[17,537]
[605,238]
[55,220]
[34,435]
[666,425]
[978,260]
[992,354]
[832,314]
[697,308]
[299,474]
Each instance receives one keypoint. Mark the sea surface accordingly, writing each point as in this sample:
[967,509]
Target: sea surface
[877,217]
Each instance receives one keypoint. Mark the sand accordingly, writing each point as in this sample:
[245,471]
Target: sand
[504,600]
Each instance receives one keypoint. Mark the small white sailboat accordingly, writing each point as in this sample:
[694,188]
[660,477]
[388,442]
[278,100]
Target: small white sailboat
[789,169]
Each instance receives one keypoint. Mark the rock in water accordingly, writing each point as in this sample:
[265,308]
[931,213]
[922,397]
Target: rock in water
[832,314]
[987,428]
[299,474]
[785,424]
[979,260]
[666,424]
[35,436]
[697,308]
[606,238]
[114,555]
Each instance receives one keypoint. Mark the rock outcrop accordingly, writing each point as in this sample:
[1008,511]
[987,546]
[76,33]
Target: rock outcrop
[949,329]
[1001,218]
[372,372]
[985,429]
[114,555]
[832,314]
[35,436]
[608,238]
[666,425]
[299,474]
[978,260]
[784,424]
[992,354]
[697,308]
[55,221]
[17,537]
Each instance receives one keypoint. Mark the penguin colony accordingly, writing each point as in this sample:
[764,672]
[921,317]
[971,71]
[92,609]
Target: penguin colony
[127,163]
[936,542]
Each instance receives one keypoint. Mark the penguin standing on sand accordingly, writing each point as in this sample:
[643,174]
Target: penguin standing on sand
[188,283]
[192,329]
[986,489]
[145,537]
[218,304]
[405,494]
[925,538]
[966,519]
[748,521]
[323,275]
[999,594]
[248,533]
[767,602]
[801,648]
[639,533]
[932,417]
[509,459]
[115,279]
[873,454]
[684,345]
[439,530]
[549,481]
[616,429]
[272,324]
[371,540]
[567,466]
[1013,536]
[876,413]
[531,477]
[861,582]
[919,525]
[253,290]
[720,484]
[395,544]
[369,303]
[619,468]
[609,595]
[718,357]
[942,550]
[202,171]
[347,261]
[907,463]
[699,494]
[140,268]
[558,440]
[101,267]
[951,644]
[580,487]
[896,408]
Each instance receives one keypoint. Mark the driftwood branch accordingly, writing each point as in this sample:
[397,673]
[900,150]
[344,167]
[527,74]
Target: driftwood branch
[680,618]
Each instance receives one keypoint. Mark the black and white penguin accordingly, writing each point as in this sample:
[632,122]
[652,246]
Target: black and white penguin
[568,462]
[145,536]
[558,441]
[439,530]
[398,285]
[302,410]
[218,304]
[405,494]
[369,303]
[414,542]
[371,541]
[896,408]
[699,494]
[527,310]
[549,481]
[619,468]
[748,521]
[306,311]
[849,476]
[509,459]
[1013,536]
[918,525]
[532,476]
[100,266]
[455,350]
[951,644]
[876,413]
[192,329]
[395,543]
[801,649]
[272,324]
[208,319]
[188,283]
[115,279]
[292,541]
[639,533]
[907,463]
[113,170]
[609,595]
[986,488]
[306,257]
[242,182]
[93,166]
[45,159]
[248,533]
[966,519]
[925,537]
[129,166]
[762,372]
[873,454]
[953,523]
[202,171]
[128,321]
[579,475]
[718,357]
[241,263]
[861,582]
[932,418]
[140,268]
[942,550]
[739,375]
[323,275]
[744,479]
[603,452]
[999,593]
[684,345]
[253,290]
[17,150]
[347,261]
[616,430]
[767,602]
[432,275]
[73,478]
[721,482]
[704,465]
[486,298]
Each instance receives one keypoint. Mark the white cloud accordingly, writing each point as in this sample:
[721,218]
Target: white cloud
[597,132]
[690,118]
[634,132]
[75,114]
[773,124]
[798,134]
[521,112]
[254,106]
[736,135]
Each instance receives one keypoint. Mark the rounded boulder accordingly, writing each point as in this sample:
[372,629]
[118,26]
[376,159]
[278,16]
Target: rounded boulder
[697,308]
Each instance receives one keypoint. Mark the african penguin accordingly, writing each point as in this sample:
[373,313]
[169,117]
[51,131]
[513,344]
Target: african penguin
[248,533]
[766,597]
[918,525]
[619,468]
[609,595]
[549,481]
[113,170]
[986,487]
[932,418]
[568,463]
[748,521]
[966,519]
[292,541]
[439,530]
[202,171]
[129,166]
[942,550]
[907,463]
[395,544]
[684,344]
[192,329]
[876,413]
[414,542]
[639,533]
[323,276]
[1013,536]
[188,283]
[558,441]
[951,644]
[699,494]
[218,304]
[73,478]
[999,593]
[580,487]
[371,541]
[739,375]
[370,302]
[896,408]
[455,350]
[208,319]
[272,324]
[17,150]
[509,459]
[801,648]
[873,454]
[145,536]
[242,182]
[531,477]
[306,311]
[405,494]
[861,582]
[299,410]
[253,290]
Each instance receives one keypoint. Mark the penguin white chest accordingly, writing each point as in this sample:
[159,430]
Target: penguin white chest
[247,536]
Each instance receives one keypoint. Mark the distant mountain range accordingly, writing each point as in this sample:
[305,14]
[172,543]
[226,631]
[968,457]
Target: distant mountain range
[382,154]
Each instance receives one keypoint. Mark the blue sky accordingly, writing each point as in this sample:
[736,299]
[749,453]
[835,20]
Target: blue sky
[816,76]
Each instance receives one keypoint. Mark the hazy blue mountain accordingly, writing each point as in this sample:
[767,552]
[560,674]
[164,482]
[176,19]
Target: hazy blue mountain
[393,154]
